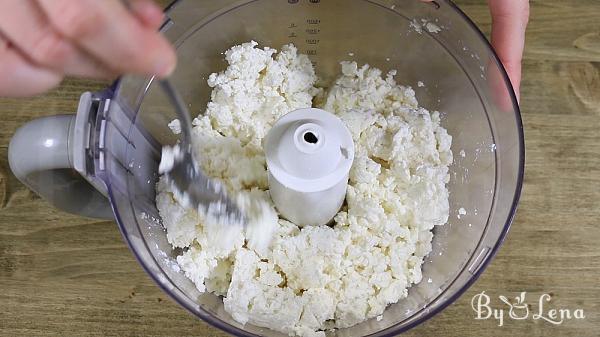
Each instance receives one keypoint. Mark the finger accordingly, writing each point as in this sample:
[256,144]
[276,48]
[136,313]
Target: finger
[42,45]
[19,78]
[148,12]
[107,30]
[509,22]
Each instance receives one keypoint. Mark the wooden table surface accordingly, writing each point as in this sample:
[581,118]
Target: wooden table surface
[63,275]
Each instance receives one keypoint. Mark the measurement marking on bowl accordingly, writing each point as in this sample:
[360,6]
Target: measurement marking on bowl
[312,31]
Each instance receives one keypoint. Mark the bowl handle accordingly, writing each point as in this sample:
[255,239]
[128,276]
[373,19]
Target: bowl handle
[41,156]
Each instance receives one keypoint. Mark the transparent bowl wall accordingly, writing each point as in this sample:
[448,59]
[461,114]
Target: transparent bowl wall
[463,79]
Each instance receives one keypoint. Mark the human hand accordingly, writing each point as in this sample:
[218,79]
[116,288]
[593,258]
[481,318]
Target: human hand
[509,21]
[41,41]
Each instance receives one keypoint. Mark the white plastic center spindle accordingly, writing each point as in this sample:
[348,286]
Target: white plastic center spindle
[309,153]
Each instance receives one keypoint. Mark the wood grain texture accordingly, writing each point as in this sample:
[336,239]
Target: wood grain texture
[62,275]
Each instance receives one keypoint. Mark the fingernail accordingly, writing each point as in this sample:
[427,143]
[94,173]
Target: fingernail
[149,11]
[165,67]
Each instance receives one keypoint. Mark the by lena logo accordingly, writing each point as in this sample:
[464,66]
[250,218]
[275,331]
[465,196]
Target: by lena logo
[519,309]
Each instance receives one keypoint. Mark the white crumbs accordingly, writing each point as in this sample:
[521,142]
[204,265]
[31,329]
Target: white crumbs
[432,27]
[424,24]
[414,24]
[168,157]
[303,281]
[175,126]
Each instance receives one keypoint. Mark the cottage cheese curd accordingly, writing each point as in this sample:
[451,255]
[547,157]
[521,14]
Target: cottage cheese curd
[301,281]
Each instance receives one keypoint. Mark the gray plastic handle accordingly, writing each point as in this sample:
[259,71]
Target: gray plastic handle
[40,156]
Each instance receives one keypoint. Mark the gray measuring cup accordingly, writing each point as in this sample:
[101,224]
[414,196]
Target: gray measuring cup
[106,156]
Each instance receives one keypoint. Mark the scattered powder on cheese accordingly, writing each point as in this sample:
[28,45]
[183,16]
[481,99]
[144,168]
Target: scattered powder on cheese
[306,280]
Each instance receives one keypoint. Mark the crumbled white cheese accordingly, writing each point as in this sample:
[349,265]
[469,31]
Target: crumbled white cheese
[461,212]
[167,159]
[424,24]
[302,281]
[222,225]
[175,126]
[414,25]
[258,87]
[432,27]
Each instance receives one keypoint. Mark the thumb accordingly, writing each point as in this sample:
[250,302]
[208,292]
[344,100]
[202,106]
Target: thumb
[509,21]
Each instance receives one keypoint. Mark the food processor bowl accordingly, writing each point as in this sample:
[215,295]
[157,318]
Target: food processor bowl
[115,139]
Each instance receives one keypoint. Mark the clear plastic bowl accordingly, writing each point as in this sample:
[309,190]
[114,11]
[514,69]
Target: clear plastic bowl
[462,78]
